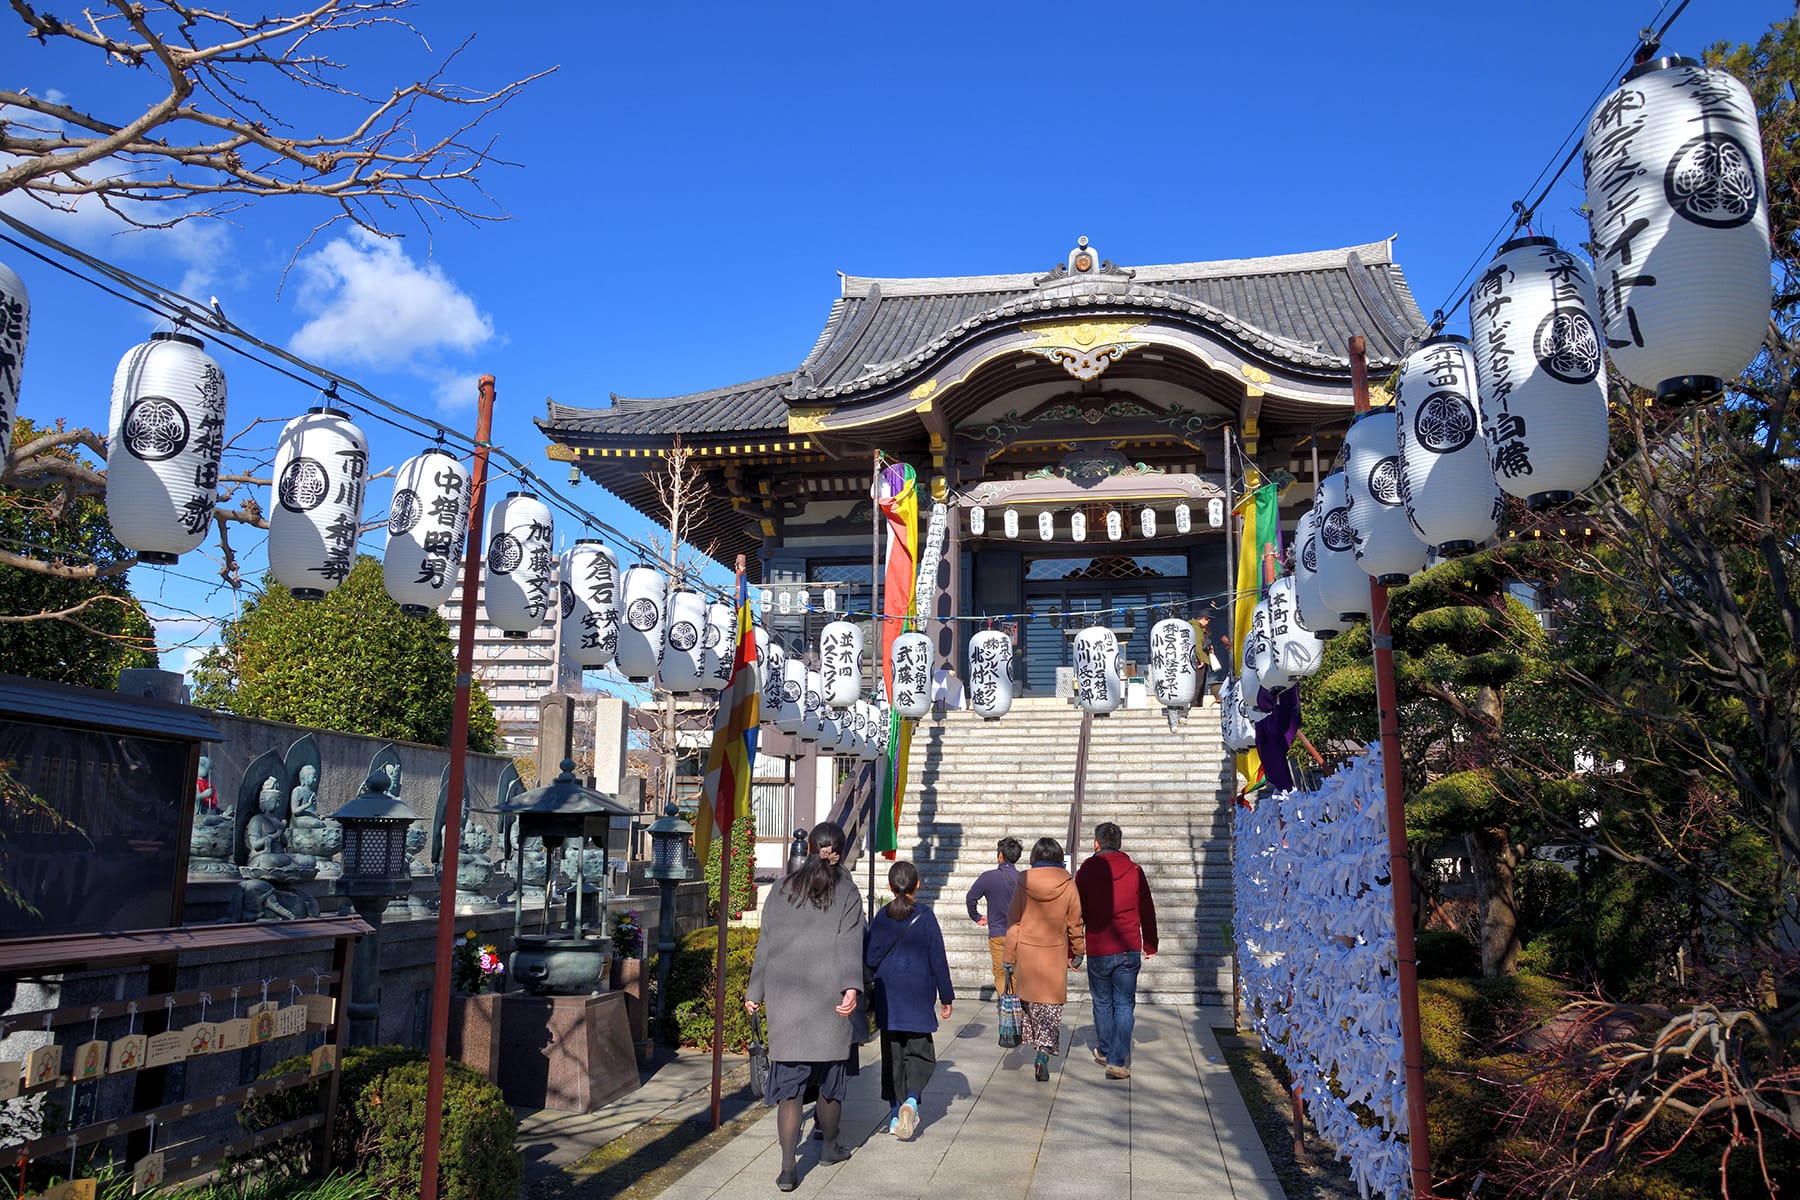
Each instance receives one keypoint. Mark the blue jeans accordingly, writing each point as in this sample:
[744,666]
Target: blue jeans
[1112,982]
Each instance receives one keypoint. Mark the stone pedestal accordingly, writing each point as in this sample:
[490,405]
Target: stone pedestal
[474,1037]
[572,1053]
[628,981]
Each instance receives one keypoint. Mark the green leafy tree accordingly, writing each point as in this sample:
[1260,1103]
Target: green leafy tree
[77,621]
[351,662]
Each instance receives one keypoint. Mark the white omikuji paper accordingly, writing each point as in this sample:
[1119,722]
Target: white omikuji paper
[1315,939]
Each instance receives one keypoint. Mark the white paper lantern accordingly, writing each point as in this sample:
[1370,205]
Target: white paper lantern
[1534,317]
[1309,603]
[1184,518]
[910,662]
[645,594]
[1343,587]
[15,331]
[767,598]
[718,646]
[321,466]
[990,674]
[1010,522]
[1215,513]
[771,666]
[590,619]
[827,733]
[1098,688]
[868,745]
[805,600]
[167,434]
[840,663]
[1115,524]
[1679,213]
[1448,488]
[681,668]
[1292,652]
[1235,725]
[1078,526]
[791,705]
[519,558]
[1385,545]
[1251,654]
[830,599]
[849,736]
[1147,522]
[427,522]
[978,520]
[1046,526]
[1173,679]
[812,709]
[785,600]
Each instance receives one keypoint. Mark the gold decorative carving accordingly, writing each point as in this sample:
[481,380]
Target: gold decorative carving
[807,420]
[1084,364]
[1254,374]
[924,389]
[1084,333]
[560,453]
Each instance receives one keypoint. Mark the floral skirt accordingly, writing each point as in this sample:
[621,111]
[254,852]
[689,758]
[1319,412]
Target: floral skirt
[1043,1026]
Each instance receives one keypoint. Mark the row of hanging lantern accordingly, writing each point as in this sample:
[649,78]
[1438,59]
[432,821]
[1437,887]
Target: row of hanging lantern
[1112,520]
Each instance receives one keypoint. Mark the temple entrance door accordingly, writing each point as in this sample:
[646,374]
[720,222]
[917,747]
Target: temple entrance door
[1127,593]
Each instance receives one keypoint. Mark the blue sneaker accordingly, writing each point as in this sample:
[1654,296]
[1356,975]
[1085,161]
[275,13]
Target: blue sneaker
[907,1123]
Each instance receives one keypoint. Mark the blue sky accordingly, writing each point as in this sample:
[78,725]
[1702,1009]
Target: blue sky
[691,179]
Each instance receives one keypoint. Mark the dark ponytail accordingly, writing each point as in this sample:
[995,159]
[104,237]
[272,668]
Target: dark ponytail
[815,881]
[903,878]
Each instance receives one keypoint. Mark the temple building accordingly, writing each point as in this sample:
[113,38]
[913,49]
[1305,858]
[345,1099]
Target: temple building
[1079,425]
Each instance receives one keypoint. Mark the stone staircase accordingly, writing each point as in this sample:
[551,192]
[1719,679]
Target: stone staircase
[972,782]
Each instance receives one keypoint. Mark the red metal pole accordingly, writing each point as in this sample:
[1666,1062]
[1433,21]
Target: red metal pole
[1387,703]
[459,764]
[719,801]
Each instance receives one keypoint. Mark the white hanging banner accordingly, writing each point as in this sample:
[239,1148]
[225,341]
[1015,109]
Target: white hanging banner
[931,553]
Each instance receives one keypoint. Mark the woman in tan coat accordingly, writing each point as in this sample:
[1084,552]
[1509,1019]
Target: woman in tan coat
[1044,942]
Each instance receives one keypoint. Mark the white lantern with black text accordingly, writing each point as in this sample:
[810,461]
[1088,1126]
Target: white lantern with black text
[15,330]
[680,668]
[519,558]
[1046,526]
[990,674]
[1386,547]
[978,520]
[868,746]
[1173,679]
[1253,651]
[1343,587]
[771,665]
[1115,524]
[167,434]
[829,732]
[1078,526]
[840,663]
[812,709]
[1534,317]
[1446,484]
[1293,652]
[1184,518]
[590,619]
[790,704]
[1098,688]
[427,522]
[910,662]
[1309,602]
[1679,213]
[1235,724]
[1147,522]
[645,595]
[1215,513]
[1010,522]
[718,646]
[321,466]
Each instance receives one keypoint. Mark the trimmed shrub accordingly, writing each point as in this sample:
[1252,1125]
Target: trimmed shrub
[381,1124]
[688,1016]
[743,863]
[1446,954]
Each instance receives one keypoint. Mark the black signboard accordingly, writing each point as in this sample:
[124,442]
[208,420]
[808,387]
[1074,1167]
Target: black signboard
[93,824]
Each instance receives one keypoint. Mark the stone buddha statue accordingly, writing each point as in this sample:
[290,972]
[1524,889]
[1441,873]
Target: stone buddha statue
[309,835]
[210,841]
[265,836]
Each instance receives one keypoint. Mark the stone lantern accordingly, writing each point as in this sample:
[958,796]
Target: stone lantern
[668,866]
[375,871]
[567,961]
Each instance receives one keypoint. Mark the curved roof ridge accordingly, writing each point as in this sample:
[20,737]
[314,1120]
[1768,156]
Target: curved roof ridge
[1379,253]
[779,378]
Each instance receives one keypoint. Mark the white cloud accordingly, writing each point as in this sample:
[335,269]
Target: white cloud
[370,304]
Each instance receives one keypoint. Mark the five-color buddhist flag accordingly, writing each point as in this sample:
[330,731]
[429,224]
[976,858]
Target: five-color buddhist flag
[899,500]
[732,757]
[1259,515]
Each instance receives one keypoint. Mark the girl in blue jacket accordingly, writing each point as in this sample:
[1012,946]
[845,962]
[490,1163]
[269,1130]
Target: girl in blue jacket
[906,953]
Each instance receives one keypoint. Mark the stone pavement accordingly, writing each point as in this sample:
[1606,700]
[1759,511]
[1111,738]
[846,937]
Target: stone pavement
[1176,1128]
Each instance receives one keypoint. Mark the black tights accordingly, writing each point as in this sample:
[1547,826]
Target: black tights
[787,1126]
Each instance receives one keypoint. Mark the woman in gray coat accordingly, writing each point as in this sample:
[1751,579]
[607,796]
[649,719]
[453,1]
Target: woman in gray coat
[808,970]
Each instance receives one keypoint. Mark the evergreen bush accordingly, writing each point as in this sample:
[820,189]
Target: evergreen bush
[688,1015]
[743,863]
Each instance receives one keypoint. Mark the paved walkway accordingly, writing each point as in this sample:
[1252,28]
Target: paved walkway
[1177,1128]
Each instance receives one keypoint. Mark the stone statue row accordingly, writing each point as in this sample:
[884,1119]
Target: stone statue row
[273,840]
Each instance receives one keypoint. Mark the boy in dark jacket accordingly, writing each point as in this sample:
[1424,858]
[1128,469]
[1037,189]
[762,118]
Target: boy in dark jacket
[906,952]
[1121,933]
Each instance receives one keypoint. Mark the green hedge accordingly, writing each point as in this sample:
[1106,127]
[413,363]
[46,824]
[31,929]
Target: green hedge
[743,864]
[688,1017]
[381,1124]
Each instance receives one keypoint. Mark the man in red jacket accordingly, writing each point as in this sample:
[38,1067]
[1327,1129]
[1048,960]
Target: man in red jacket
[1121,933]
